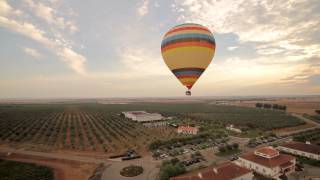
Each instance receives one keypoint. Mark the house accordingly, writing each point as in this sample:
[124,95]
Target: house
[231,127]
[225,171]
[268,162]
[142,116]
[301,149]
[187,130]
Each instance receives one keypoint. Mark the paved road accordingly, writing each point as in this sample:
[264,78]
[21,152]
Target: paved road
[70,157]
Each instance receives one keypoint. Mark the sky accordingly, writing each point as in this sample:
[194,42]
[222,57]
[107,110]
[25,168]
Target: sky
[107,48]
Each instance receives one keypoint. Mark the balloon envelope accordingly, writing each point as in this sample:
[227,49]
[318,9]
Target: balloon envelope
[188,49]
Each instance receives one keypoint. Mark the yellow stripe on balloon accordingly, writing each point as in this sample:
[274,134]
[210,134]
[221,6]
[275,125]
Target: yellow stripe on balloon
[186,57]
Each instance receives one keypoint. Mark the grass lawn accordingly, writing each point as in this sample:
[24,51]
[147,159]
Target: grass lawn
[13,170]
[228,152]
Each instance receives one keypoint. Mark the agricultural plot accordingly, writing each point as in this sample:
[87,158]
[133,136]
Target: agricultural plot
[312,136]
[99,127]
[74,127]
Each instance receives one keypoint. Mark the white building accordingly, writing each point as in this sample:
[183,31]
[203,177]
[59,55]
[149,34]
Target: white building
[302,149]
[142,116]
[268,162]
[232,128]
[154,123]
[225,171]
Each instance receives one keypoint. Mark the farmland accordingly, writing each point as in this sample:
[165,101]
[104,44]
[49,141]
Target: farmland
[18,170]
[72,127]
[100,128]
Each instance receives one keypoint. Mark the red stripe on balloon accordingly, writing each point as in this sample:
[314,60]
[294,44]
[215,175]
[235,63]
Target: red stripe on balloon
[182,44]
[187,28]
[189,86]
[188,76]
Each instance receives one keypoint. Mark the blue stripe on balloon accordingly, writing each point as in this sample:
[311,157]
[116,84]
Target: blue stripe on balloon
[188,73]
[187,36]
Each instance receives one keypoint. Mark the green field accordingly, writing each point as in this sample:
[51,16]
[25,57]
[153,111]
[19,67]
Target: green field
[12,170]
[99,127]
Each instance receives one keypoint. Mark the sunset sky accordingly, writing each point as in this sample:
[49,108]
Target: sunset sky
[107,48]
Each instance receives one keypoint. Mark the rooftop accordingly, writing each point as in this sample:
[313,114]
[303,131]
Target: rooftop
[224,171]
[187,128]
[310,148]
[268,151]
[275,161]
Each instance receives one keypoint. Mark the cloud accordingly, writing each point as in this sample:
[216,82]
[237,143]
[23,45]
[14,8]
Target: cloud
[58,45]
[139,60]
[50,16]
[75,60]
[231,48]
[32,52]
[5,8]
[263,21]
[143,9]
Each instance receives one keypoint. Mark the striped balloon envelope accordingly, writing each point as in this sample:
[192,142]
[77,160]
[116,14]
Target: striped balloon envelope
[188,49]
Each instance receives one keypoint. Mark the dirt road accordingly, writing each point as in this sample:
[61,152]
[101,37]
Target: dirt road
[11,151]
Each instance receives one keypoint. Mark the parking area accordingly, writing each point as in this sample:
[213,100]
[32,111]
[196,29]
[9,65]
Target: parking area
[188,147]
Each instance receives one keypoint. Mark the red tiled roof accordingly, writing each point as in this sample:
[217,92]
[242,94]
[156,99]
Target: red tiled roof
[268,162]
[310,148]
[225,171]
[286,164]
[187,128]
[268,151]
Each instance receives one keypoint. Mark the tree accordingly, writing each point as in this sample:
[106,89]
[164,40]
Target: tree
[222,149]
[267,106]
[171,168]
[235,145]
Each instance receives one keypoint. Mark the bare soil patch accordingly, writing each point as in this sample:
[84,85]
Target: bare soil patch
[303,105]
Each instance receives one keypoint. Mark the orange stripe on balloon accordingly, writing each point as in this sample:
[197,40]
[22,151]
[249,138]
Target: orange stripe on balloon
[182,44]
[187,28]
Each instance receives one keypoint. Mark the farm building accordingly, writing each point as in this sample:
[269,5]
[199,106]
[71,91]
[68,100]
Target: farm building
[154,123]
[147,119]
[187,130]
[302,149]
[142,116]
[231,127]
[224,171]
[268,162]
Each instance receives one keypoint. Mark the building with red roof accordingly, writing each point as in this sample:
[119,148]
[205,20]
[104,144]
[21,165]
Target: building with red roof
[301,149]
[225,171]
[187,130]
[268,162]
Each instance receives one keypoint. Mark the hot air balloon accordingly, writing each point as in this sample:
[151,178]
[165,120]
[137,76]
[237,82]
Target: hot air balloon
[188,49]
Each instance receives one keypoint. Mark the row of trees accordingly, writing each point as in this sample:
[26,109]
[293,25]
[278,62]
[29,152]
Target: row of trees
[171,168]
[83,129]
[271,106]
[229,147]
